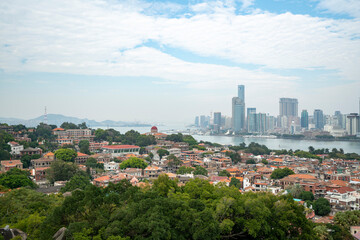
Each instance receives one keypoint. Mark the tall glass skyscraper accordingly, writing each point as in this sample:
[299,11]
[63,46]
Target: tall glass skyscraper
[319,119]
[217,118]
[241,92]
[304,119]
[238,114]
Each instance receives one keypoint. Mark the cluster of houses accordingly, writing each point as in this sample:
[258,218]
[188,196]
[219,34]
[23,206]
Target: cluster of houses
[337,180]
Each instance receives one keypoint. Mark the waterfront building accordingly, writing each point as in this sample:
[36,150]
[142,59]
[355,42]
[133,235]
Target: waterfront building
[217,118]
[238,114]
[261,122]
[288,107]
[251,120]
[271,122]
[319,119]
[304,119]
[352,124]
[197,121]
[241,92]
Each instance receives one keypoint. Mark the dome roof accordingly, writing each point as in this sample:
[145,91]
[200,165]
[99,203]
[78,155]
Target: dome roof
[154,128]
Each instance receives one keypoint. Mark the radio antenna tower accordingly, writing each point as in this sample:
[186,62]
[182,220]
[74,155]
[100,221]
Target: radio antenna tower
[45,117]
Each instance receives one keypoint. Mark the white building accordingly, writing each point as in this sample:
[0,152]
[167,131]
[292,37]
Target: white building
[15,148]
[111,166]
[121,150]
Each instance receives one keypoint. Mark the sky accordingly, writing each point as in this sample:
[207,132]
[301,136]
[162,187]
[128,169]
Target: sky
[169,61]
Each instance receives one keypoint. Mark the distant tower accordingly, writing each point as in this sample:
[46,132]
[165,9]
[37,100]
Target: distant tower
[319,119]
[304,119]
[241,92]
[288,107]
[45,117]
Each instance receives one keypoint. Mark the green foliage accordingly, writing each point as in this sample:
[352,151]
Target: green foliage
[347,219]
[296,191]
[76,182]
[44,131]
[4,146]
[66,154]
[173,160]
[185,170]
[250,161]
[281,172]
[322,207]
[26,159]
[69,125]
[162,152]
[235,182]
[264,161]
[84,146]
[307,196]
[15,178]
[62,171]
[163,185]
[133,162]
[304,154]
[235,157]
[257,149]
[200,171]
[93,163]
[224,173]
[190,140]
[175,137]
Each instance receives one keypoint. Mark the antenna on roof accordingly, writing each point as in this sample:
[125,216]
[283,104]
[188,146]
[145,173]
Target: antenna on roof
[45,117]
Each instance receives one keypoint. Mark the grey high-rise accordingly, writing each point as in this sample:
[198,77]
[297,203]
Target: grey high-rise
[251,119]
[288,107]
[319,119]
[304,119]
[238,114]
[241,92]
[217,118]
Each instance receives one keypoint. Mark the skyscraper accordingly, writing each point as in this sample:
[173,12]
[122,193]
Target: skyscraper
[288,107]
[251,119]
[197,121]
[304,119]
[241,92]
[238,114]
[353,124]
[217,118]
[318,119]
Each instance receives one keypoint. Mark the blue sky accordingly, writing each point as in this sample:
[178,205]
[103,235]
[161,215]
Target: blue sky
[168,61]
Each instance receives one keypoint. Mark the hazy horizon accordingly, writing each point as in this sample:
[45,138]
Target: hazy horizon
[169,61]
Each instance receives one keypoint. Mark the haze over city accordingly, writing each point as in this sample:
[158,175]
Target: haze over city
[168,61]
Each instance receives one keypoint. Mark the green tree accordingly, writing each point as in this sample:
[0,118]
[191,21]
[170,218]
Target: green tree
[84,146]
[133,162]
[162,152]
[163,184]
[296,190]
[235,182]
[200,171]
[26,160]
[281,173]
[62,171]
[76,182]
[173,160]
[250,161]
[307,196]
[69,125]
[264,161]
[322,207]
[224,173]
[66,154]
[235,157]
[185,170]
[347,219]
[15,178]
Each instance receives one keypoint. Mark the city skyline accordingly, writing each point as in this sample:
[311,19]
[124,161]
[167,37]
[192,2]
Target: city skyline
[157,61]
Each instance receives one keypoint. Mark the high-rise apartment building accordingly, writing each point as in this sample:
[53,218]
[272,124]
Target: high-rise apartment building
[353,124]
[288,107]
[238,114]
[304,119]
[319,119]
[197,121]
[217,118]
[251,119]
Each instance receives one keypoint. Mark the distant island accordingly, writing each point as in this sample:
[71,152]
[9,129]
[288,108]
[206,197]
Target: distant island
[58,119]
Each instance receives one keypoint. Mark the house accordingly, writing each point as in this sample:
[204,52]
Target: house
[343,198]
[136,172]
[152,171]
[120,150]
[42,162]
[9,164]
[16,148]
[81,158]
[31,151]
[39,173]
[111,166]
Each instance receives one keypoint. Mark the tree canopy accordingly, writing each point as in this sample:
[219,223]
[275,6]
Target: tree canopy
[133,162]
[281,172]
[322,207]
[15,178]
[66,154]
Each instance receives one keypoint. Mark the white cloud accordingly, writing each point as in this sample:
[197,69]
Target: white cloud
[350,7]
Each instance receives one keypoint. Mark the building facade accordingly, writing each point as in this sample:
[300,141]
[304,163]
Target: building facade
[288,107]
[319,119]
[304,119]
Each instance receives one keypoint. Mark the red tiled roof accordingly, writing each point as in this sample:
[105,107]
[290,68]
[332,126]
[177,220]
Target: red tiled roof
[79,154]
[58,129]
[120,146]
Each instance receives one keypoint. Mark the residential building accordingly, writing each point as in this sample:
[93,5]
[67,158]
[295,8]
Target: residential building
[319,119]
[16,148]
[304,119]
[352,124]
[121,150]
[288,107]
[6,165]
[217,118]
[31,151]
